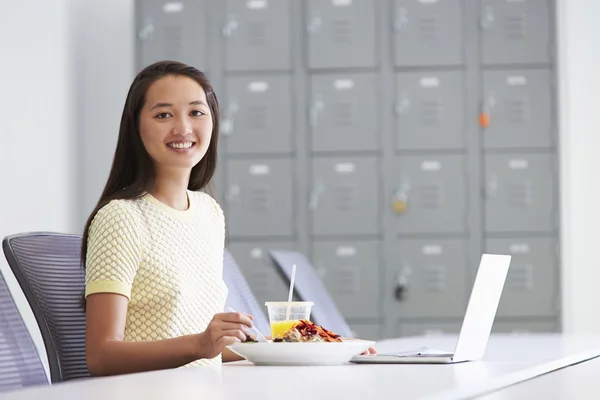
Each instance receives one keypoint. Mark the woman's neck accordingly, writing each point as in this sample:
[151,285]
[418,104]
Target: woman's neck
[171,190]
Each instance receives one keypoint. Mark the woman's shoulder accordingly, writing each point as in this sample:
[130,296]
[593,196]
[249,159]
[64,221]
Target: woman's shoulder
[120,212]
[205,198]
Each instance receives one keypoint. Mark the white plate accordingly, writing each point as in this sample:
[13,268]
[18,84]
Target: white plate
[320,353]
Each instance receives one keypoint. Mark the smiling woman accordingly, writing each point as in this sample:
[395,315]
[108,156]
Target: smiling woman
[153,246]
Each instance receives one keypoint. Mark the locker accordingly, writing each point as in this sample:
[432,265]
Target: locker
[366,331]
[531,285]
[350,272]
[430,110]
[519,106]
[426,328]
[520,193]
[428,33]
[259,198]
[172,30]
[516,326]
[264,281]
[341,34]
[427,278]
[258,115]
[345,196]
[257,35]
[343,113]
[429,194]
[218,184]
[515,32]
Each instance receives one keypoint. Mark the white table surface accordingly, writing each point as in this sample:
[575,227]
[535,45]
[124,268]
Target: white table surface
[581,381]
[509,359]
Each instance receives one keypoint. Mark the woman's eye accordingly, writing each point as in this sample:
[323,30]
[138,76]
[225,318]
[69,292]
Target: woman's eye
[162,115]
[197,113]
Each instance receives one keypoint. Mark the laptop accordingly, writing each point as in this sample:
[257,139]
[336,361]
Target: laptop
[476,326]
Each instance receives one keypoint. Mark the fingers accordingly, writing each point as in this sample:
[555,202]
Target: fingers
[235,333]
[237,317]
[227,341]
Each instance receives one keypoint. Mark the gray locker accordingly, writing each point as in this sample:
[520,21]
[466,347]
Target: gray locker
[524,326]
[257,117]
[341,33]
[260,198]
[428,32]
[218,183]
[172,30]
[256,266]
[430,110]
[520,193]
[257,35]
[425,328]
[531,285]
[366,331]
[519,106]
[344,112]
[350,271]
[427,278]
[515,31]
[345,196]
[429,194]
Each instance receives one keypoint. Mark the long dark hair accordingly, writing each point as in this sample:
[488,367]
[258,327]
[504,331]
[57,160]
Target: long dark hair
[132,173]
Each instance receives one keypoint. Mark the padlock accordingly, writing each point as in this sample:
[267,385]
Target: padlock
[484,120]
[399,206]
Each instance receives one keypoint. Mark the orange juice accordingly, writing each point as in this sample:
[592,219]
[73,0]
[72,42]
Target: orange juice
[279,328]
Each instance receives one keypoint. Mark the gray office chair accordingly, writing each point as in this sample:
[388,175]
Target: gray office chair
[240,296]
[20,364]
[310,287]
[48,268]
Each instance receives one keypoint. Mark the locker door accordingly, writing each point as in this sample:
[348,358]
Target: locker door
[257,35]
[519,105]
[428,32]
[426,278]
[341,33]
[345,196]
[516,326]
[259,198]
[515,31]
[257,116]
[264,281]
[520,193]
[429,194]
[172,30]
[430,110]
[531,284]
[344,113]
[366,331]
[218,183]
[350,271]
[425,328]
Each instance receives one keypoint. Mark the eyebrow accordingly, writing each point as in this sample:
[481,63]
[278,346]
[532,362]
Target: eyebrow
[192,103]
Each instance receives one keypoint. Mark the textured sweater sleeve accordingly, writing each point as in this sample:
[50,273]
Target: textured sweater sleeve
[114,251]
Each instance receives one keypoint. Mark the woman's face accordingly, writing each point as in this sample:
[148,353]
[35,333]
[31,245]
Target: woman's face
[176,123]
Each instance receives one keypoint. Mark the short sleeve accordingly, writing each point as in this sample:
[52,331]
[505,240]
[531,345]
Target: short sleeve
[113,252]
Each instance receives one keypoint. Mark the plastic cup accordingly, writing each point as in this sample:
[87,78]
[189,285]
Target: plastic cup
[279,319]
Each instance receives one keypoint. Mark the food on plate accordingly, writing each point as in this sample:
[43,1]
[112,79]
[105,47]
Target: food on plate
[279,328]
[308,331]
[250,339]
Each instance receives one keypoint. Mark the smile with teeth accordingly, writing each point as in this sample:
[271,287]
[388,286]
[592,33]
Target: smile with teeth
[181,145]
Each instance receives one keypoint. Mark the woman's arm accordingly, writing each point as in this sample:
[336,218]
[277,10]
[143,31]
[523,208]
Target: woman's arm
[108,354]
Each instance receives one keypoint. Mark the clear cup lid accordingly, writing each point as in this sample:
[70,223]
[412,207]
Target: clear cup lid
[285,303]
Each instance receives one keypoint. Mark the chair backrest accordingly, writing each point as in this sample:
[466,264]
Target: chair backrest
[48,268]
[309,287]
[240,296]
[20,364]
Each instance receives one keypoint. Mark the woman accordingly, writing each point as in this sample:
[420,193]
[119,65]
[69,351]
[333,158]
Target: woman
[153,246]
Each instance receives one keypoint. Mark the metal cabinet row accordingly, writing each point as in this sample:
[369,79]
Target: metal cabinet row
[426,194]
[423,282]
[259,35]
[344,111]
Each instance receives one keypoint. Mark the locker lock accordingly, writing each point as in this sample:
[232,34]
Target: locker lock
[400,199]
[230,28]
[400,291]
[147,30]
[488,18]
[401,20]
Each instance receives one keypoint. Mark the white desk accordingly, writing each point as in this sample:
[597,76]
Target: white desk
[580,381]
[509,359]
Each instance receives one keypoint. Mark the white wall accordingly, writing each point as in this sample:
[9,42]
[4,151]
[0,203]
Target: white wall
[579,84]
[37,146]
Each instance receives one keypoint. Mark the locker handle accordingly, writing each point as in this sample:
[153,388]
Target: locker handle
[491,189]
[315,195]
[146,31]
[232,194]
[488,19]
[315,110]
[403,104]
[314,25]
[401,19]
[230,27]
[228,123]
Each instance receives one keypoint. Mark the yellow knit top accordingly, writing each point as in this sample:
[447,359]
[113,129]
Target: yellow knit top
[168,263]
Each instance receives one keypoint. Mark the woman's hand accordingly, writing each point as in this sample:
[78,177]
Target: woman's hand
[223,330]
